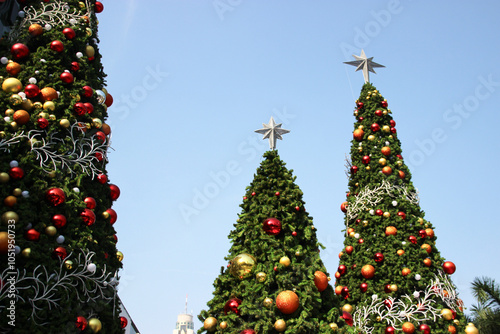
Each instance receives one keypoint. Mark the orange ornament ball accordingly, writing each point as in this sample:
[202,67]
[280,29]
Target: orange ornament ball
[21,117]
[358,134]
[349,249]
[35,29]
[10,201]
[400,252]
[452,329]
[48,94]
[287,302]
[320,280]
[401,174]
[13,68]
[429,232]
[106,129]
[427,262]
[427,248]
[386,150]
[338,289]
[387,170]
[368,271]
[405,271]
[408,327]
[4,242]
[391,230]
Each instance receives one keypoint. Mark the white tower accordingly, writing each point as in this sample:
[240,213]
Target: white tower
[184,324]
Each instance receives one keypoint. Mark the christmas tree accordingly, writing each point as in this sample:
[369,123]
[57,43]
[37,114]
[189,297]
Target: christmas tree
[275,281]
[59,265]
[391,275]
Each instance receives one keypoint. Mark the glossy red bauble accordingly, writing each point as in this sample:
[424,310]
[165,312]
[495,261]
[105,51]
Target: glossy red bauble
[449,267]
[32,235]
[102,178]
[123,322]
[402,215]
[354,169]
[363,287]
[66,77]
[345,292]
[347,317]
[232,306]
[384,104]
[16,173]
[89,106]
[114,192]
[412,239]
[424,328]
[343,207]
[81,323]
[101,136]
[42,123]
[19,51]
[360,105]
[87,91]
[378,112]
[422,234]
[55,196]
[57,46]
[375,127]
[99,7]
[392,123]
[349,249]
[79,109]
[60,252]
[378,257]
[389,330]
[379,212]
[271,226]
[112,216]
[387,302]
[387,289]
[59,220]
[88,217]
[90,203]
[366,159]
[75,66]
[248,331]
[109,100]
[69,33]
[31,91]
[342,269]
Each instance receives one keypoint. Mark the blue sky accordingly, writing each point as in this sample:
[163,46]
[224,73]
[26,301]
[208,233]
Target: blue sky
[192,80]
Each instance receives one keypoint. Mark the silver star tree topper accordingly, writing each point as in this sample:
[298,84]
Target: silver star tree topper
[365,64]
[272,131]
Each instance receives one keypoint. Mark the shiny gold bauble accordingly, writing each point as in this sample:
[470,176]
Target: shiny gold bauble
[51,231]
[13,68]
[334,326]
[385,112]
[210,324]
[27,104]
[43,115]
[242,265]
[420,220]
[26,252]
[52,117]
[48,94]
[35,29]
[12,85]
[17,192]
[95,325]
[352,234]
[119,256]
[4,177]
[387,214]
[368,168]
[88,31]
[347,308]
[97,123]
[382,161]
[68,264]
[386,128]
[14,126]
[371,137]
[10,217]
[4,242]
[261,277]
[408,327]
[21,117]
[105,215]
[447,314]
[38,105]
[280,325]
[15,99]
[10,201]
[268,302]
[285,261]
[49,106]
[358,134]
[9,112]
[223,325]
[399,163]
[456,322]
[90,51]
[64,123]
[393,287]
[471,329]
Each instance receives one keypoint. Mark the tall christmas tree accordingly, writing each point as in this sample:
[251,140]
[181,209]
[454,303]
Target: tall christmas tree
[275,281]
[391,275]
[59,265]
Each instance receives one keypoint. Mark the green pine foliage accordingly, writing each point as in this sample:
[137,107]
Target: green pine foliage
[273,194]
[386,229]
[56,146]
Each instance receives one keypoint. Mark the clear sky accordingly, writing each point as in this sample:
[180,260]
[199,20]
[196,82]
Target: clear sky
[192,80]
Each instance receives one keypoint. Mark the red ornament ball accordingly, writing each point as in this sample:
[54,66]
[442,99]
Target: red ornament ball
[343,207]
[87,91]
[112,216]
[393,130]
[345,292]
[80,109]
[16,173]
[69,33]
[378,257]
[422,233]
[99,7]
[424,328]
[387,289]
[360,241]
[389,330]
[102,178]
[347,317]
[271,226]
[392,123]
[109,100]
[59,220]
[114,192]
[101,136]
[55,196]
[31,91]
[66,77]
[342,269]
[375,127]
[366,159]
[32,235]
[354,169]
[88,217]
[248,331]
[402,215]
[19,51]
[387,302]
[42,123]
[75,66]
[379,212]
[123,322]
[277,193]
[57,46]
[363,287]
[294,234]
[90,203]
[89,106]
[81,323]
[384,104]
[360,105]
[412,239]
[378,112]
[232,306]
[449,267]
[60,252]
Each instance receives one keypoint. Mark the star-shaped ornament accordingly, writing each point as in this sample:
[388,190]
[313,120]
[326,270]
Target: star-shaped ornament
[365,64]
[272,131]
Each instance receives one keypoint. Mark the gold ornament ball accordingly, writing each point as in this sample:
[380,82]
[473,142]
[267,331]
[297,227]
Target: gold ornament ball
[261,277]
[9,112]
[49,106]
[26,252]
[242,265]
[27,104]
[268,302]
[35,30]
[385,112]
[89,51]
[393,287]
[223,325]
[4,177]
[52,117]
[15,99]
[12,85]
[447,314]
[347,308]
[471,329]
[105,215]
[88,31]
[365,223]
[17,192]
[97,123]
[119,256]
[43,115]
[368,168]
[68,264]
[371,137]
[285,261]
[95,325]
[64,123]
[387,214]
[399,163]
[51,231]
[38,105]
[379,319]
[10,217]
[427,248]
[456,322]
[280,325]
[382,161]
[334,326]
[210,324]
[386,128]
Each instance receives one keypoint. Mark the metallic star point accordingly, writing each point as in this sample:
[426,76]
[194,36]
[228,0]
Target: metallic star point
[272,131]
[365,64]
